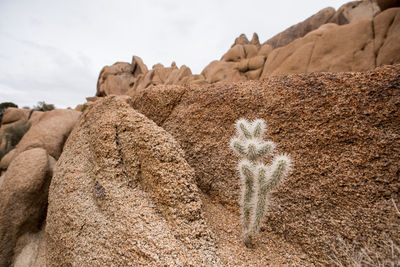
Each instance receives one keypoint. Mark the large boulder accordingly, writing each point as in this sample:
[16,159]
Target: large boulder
[23,199]
[387,37]
[15,114]
[243,61]
[341,130]
[50,131]
[302,28]
[115,79]
[359,46]
[355,10]
[122,194]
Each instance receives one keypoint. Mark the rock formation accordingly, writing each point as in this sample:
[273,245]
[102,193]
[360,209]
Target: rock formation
[363,45]
[148,178]
[342,131]
[356,37]
[23,199]
[122,194]
[49,132]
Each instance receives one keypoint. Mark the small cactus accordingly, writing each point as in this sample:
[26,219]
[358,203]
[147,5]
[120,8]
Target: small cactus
[256,179]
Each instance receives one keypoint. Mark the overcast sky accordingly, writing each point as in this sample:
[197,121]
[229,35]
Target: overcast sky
[53,50]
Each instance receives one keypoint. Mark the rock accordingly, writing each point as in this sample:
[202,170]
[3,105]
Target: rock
[30,250]
[302,28]
[353,47]
[385,4]
[255,40]
[14,115]
[354,11]
[387,37]
[49,132]
[265,49]
[7,158]
[122,194]
[138,67]
[241,40]
[35,116]
[341,130]
[251,50]
[222,71]
[178,76]
[235,54]
[23,198]
[115,79]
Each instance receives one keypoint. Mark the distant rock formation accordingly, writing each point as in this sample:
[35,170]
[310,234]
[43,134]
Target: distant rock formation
[123,78]
[356,37]
[359,46]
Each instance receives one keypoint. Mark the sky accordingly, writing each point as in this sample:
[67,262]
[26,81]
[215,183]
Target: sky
[54,50]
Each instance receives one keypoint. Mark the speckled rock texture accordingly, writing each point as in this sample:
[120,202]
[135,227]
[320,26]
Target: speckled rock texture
[23,199]
[342,131]
[123,195]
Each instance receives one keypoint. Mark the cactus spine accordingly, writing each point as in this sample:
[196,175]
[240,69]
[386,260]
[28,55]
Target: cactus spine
[256,179]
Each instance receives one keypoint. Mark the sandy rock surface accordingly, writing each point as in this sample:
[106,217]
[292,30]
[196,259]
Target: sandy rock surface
[123,195]
[342,131]
[23,198]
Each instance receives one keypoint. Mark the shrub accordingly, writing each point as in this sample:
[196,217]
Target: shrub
[42,106]
[256,179]
[378,252]
[84,107]
[4,106]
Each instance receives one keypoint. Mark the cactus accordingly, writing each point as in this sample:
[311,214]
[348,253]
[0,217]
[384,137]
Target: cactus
[256,179]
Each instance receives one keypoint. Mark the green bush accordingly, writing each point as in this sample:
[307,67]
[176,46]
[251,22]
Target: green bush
[42,106]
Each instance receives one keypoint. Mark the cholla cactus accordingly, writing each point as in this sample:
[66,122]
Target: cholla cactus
[256,179]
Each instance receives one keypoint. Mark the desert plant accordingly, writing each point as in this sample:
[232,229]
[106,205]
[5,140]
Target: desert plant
[42,106]
[256,179]
[377,252]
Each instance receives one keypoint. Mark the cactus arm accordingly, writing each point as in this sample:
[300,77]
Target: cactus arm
[265,148]
[238,147]
[258,128]
[279,169]
[268,179]
[242,128]
[247,185]
[260,198]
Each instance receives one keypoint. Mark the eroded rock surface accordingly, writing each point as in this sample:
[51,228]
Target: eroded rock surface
[23,199]
[341,130]
[123,195]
